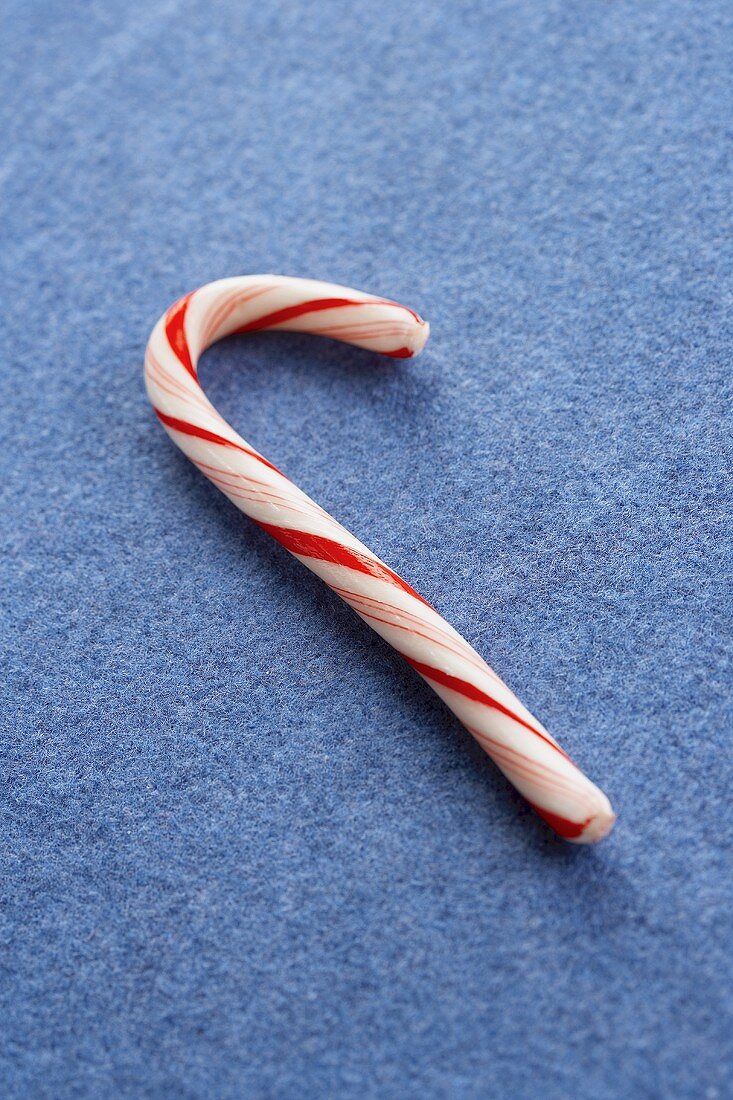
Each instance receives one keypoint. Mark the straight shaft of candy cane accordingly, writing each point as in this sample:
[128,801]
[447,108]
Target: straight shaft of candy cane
[516,741]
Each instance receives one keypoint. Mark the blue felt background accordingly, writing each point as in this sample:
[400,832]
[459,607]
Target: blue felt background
[245,851]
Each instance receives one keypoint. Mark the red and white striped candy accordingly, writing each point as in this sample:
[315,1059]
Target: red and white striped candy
[521,747]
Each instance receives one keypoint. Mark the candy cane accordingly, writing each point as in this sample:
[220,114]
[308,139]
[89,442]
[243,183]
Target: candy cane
[521,747]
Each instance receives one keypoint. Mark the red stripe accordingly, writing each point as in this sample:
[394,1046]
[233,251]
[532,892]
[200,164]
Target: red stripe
[186,428]
[540,774]
[280,316]
[399,353]
[470,691]
[175,331]
[306,545]
[564,828]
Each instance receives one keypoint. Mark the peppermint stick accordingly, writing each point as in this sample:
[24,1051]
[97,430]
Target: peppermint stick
[526,753]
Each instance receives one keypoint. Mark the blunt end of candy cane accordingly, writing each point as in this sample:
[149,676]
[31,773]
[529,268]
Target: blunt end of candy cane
[588,831]
[415,340]
[598,826]
[420,337]
[596,829]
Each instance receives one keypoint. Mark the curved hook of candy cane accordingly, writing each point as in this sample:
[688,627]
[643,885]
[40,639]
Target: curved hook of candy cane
[520,746]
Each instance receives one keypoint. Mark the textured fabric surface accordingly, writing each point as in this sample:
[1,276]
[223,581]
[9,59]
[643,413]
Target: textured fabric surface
[246,852]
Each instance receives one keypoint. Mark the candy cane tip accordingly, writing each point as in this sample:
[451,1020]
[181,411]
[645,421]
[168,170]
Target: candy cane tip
[419,337]
[598,826]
